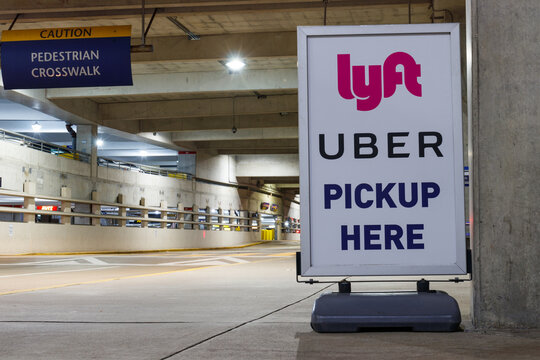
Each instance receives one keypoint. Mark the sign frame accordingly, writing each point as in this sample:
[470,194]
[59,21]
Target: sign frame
[91,56]
[307,266]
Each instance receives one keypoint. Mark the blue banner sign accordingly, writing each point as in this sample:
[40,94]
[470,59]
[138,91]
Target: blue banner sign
[66,57]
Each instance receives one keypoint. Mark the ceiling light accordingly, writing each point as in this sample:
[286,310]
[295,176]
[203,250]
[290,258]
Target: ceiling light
[36,126]
[143,153]
[235,64]
[99,142]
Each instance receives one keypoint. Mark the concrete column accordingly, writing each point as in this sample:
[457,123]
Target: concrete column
[93,154]
[195,209]
[230,221]
[186,162]
[220,219]
[122,211]
[96,209]
[144,213]
[29,203]
[163,205]
[248,221]
[86,143]
[279,221]
[211,165]
[179,216]
[65,192]
[505,164]
[207,218]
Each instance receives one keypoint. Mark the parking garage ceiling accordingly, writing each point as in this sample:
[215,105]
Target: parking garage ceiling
[182,91]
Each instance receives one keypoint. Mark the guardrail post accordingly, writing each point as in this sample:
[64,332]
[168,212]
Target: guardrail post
[163,205]
[195,217]
[96,209]
[29,202]
[259,222]
[220,219]
[207,218]
[248,221]
[65,192]
[122,210]
[179,216]
[144,213]
[279,221]
[234,222]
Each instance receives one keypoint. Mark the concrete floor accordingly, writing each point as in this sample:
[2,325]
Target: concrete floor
[229,304]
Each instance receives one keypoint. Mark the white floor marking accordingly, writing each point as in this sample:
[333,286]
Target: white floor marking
[236,260]
[95,261]
[55,272]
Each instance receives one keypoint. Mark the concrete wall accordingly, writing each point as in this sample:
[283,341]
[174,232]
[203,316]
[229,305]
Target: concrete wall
[265,164]
[19,238]
[506,163]
[50,172]
[213,166]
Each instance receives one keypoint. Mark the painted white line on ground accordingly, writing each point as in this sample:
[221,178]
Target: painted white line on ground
[190,262]
[56,272]
[236,260]
[62,261]
[94,261]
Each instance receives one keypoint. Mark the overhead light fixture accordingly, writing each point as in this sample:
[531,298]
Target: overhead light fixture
[36,126]
[99,142]
[143,153]
[235,64]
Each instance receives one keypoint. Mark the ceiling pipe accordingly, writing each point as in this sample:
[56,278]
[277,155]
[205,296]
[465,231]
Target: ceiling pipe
[14,21]
[73,136]
[179,25]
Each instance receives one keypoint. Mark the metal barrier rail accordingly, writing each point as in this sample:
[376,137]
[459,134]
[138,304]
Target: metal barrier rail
[66,213]
[40,145]
[61,151]
[145,169]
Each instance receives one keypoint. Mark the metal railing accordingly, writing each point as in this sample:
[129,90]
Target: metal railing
[166,215]
[65,152]
[40,145]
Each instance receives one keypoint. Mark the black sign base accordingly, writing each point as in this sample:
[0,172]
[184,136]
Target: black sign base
[408,311]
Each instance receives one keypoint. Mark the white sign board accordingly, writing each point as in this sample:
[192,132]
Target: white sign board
[381,159]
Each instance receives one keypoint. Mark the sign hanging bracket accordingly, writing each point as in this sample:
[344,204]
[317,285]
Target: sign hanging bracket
[14,21]
[143,47]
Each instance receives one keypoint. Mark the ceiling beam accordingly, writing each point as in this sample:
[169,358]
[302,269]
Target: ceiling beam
[236,145]
[83,108]
[83,9]
[256,151]
[285,120]
[239,134]
[193,82]
[37,100]
[174,109]
[220,47]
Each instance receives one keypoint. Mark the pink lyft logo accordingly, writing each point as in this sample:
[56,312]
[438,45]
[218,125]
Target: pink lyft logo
[368,96]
